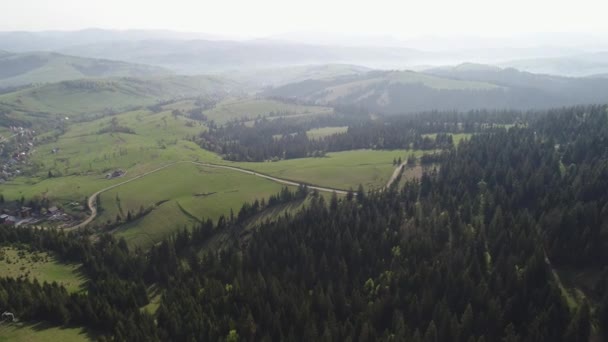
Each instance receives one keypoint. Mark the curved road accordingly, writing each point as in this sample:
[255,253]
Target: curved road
[93,198]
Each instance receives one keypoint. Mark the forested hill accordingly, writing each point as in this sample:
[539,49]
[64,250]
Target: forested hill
[465,253]
[461,88]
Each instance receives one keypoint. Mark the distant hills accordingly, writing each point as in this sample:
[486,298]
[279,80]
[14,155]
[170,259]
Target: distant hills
[82,99]
[204,56]
[577,65]
[265,77]
[196,53]
[18,69]
[464,87]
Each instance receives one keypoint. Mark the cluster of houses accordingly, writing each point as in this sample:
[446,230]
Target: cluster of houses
[16,148]
[28,216]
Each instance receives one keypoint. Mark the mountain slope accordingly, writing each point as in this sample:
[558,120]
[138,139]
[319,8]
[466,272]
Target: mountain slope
[45,67]
[83,99]
[265,77]
[465,87]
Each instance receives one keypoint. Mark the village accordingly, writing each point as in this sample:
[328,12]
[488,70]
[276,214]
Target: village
[14,151]
[37,212]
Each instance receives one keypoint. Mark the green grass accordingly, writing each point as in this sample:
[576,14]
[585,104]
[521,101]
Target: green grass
[89,98]
[341,170]
[85,156]
[41,332]
[232,109]
[319,133]
[16,263]
[190,193]
[456,137]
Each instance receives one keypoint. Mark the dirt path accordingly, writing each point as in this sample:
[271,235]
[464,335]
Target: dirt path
[91,202]
[396,174]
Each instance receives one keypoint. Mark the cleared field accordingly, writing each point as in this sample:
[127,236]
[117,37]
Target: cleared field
[16,263]
[20,332]
[181,195]
[340,170]
[232,109]
[456,138]
[319,133]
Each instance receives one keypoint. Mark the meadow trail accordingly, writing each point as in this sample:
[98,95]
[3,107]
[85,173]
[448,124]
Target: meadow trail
[92,201]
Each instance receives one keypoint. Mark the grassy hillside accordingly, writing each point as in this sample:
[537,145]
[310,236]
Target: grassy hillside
[247,108]
[181,195]
[82,99]
[46,67]
[340,170]
[41,332]
[16,263]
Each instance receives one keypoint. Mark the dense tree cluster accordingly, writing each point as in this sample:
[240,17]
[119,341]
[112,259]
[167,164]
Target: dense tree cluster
[286,138]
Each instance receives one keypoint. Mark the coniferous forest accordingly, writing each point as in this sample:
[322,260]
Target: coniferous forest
[467,252]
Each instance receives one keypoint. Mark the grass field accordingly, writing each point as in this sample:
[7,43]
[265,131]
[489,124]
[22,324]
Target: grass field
[341,170]
[232,109]
[41,332]
[319,133]
[17,263]
[181,195]
[456,137]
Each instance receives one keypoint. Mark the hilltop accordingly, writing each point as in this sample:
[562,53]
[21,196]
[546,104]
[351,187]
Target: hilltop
[17,69]
[82,99]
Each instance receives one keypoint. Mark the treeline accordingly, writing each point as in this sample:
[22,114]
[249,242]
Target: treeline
[286,138]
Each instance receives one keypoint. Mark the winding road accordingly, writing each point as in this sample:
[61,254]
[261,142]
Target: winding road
[92,201]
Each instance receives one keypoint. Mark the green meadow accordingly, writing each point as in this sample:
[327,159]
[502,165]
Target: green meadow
[41,332]
[238,109]
[44,267]
[180,195]
[340,170]
[323,132]
[456,137]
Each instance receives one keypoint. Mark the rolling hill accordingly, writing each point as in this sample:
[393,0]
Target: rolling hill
[464,87]
[85,99]
[265,77]
[17,69]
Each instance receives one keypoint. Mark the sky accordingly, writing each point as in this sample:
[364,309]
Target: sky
[259,18]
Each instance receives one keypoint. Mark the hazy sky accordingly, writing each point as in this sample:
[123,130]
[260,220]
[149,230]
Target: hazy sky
[401,19]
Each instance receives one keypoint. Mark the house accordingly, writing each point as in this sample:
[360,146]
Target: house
[53,210]
[3,218]
[10,220]
[25,212]
[116,173]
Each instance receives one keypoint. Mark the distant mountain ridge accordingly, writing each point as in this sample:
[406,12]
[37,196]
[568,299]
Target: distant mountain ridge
[578,65]
[18,69]
[197,53]
[463,87]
